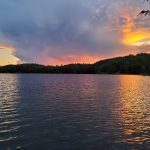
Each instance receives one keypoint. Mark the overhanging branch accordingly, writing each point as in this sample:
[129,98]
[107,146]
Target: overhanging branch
[145,12]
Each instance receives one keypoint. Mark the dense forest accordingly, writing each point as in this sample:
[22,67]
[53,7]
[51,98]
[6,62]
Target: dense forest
[132,64]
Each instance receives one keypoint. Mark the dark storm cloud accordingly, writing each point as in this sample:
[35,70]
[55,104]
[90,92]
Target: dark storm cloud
[55,28]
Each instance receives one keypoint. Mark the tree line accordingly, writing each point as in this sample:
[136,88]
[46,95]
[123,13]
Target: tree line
[132,64]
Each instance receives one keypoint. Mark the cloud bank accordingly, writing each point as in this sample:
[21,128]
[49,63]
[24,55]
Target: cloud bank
[68,31]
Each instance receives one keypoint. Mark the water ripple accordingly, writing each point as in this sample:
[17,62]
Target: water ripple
[74,112]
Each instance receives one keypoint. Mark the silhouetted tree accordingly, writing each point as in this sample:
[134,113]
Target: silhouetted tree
[138,64]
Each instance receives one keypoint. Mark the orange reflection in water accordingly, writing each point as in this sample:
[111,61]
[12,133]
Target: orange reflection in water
[134,92]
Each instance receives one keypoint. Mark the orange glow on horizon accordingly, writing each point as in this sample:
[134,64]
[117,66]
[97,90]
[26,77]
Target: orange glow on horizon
[72,59]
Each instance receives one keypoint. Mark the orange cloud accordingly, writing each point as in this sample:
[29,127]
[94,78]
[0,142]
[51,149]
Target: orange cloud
[6,55]
[131,35]
[7,47]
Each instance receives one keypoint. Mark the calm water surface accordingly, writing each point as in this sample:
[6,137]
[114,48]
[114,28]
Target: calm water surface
[74,112]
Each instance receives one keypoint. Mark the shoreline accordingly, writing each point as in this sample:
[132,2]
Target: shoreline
[29,73]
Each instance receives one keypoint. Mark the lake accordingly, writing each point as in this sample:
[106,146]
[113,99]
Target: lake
[74,112]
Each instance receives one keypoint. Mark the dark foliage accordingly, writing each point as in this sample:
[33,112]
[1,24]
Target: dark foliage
[138,64]
[145,12]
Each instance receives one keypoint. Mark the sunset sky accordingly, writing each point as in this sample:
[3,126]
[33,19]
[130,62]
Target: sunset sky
[55,32]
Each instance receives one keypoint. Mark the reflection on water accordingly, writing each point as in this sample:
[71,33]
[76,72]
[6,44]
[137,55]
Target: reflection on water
[73,112]
[135,99]
[8,107]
